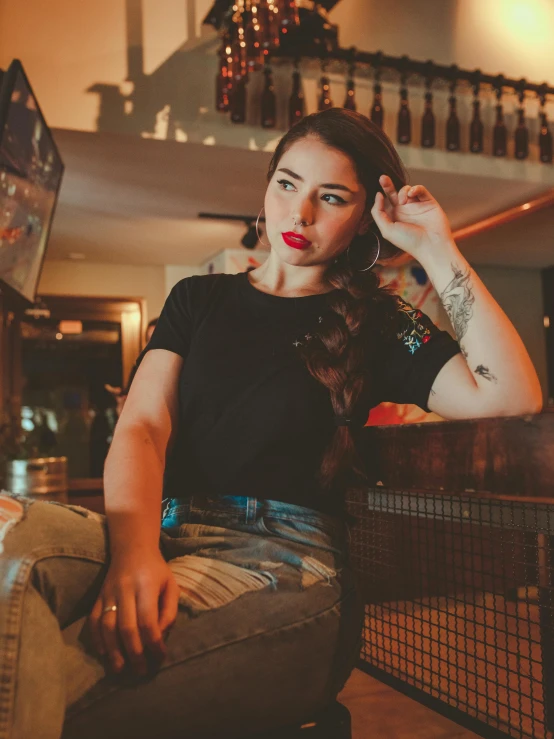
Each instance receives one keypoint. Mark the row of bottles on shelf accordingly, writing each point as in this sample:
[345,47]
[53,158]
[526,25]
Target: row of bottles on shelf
[231,98]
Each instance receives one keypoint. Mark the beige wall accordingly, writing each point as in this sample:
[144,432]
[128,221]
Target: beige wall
[68,46]
[113,280]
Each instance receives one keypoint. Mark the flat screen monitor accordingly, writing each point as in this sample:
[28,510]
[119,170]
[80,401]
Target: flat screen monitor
[31,171]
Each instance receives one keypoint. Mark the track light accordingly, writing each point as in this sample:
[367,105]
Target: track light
[250,238]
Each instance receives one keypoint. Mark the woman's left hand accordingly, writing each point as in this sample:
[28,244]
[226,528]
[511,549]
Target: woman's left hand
[411,218]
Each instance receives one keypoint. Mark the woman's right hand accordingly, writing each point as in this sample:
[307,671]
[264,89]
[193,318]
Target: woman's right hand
[140,583]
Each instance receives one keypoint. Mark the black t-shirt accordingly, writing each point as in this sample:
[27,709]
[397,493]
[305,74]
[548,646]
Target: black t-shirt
[252,419]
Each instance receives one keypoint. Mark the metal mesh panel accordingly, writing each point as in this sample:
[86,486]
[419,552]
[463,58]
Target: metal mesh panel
[459,602]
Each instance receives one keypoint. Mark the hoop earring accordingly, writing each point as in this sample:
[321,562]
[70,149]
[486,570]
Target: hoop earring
[257,232]
[371,265]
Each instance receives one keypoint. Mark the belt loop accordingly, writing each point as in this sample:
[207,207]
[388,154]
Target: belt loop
[250,509]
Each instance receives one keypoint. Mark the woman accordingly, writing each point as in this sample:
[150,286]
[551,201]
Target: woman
[242,415]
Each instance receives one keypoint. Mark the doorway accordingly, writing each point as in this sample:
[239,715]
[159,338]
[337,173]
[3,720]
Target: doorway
[73,350]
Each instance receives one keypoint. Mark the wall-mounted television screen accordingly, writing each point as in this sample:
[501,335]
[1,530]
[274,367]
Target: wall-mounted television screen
[31,171]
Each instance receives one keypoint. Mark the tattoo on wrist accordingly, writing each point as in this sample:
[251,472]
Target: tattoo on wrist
[457,299]
[485,372]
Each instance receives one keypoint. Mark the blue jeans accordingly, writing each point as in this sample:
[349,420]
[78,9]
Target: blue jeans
[268,630]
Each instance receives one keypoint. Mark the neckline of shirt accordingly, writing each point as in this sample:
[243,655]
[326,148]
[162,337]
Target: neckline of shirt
[270,299]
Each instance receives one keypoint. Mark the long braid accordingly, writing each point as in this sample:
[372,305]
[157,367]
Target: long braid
[338,358]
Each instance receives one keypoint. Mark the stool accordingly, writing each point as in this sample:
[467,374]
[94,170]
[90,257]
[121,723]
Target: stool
[332,722]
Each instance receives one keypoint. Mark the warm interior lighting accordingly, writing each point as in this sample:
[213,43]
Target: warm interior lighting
[70,327]
[520,28]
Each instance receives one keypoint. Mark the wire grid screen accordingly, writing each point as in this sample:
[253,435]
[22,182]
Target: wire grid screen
[459,601]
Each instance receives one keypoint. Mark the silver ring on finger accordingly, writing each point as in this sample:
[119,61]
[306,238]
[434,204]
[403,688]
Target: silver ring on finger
[107,609]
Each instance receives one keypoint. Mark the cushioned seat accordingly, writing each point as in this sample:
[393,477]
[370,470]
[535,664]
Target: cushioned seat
[333,722]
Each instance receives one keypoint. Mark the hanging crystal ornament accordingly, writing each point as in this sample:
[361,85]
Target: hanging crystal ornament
[453,122]
[223,80]
[521,134]
[252,41]
[296,101]
[404,130]
[274,26]
[499,132]
[250,31]
[428,119]
[350,100]
[545,136]
[476,125]
[288,15]
[325,101]
[237,64]
[377,112]
[239,69]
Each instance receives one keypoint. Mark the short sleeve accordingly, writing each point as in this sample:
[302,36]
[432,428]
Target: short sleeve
[173,330]
[410,360]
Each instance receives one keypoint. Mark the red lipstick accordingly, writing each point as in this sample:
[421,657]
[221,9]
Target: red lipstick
[295,240]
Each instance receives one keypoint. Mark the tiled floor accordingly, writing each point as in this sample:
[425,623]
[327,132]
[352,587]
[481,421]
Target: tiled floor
[380,712]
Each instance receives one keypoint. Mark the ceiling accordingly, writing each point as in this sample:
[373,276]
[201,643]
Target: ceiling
[126,199]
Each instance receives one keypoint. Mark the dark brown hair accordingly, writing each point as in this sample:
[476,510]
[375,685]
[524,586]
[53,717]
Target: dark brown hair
[360,306]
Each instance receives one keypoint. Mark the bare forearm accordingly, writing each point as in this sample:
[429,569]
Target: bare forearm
[494,351]
[133,475]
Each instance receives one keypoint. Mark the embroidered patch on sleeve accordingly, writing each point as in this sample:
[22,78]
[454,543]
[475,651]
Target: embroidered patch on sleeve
[417,331]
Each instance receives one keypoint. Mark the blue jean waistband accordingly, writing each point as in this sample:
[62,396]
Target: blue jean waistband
[248,509]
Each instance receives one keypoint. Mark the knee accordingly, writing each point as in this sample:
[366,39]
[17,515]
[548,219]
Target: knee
[27,524]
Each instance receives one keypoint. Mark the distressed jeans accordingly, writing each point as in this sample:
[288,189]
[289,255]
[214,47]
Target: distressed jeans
[268,630]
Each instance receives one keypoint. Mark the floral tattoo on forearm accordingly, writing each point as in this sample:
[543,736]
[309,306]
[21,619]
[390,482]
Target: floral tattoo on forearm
[457,299]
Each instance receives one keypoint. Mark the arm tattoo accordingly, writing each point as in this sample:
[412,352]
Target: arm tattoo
[485,372]
[457,299]
[464,351]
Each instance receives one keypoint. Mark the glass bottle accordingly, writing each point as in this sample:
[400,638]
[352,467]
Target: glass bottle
[428,123]
[325,101]
[237,102]
[453,122]
[350,100]
[404,130]
[521,134]
[545,136]
[377,112]
[296,101]
[499,132]
[428,118]
[268,102]
[476,125]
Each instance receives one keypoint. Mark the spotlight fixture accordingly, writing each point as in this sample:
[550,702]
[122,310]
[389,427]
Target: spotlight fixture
[250,238]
